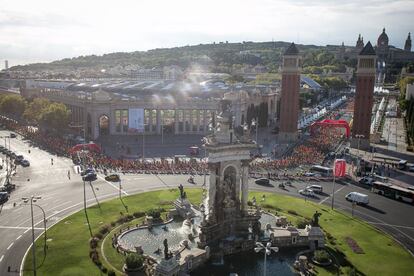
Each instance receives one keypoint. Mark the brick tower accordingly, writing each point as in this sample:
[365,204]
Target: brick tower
[289,101]
[364,97]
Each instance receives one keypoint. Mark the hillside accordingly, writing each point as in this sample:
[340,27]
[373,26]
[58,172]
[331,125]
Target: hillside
[221,57]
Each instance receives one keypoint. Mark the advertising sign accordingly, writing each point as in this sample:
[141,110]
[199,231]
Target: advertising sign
[136,120]
[340,167]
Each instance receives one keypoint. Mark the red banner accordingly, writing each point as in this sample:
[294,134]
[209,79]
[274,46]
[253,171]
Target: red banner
[339,167]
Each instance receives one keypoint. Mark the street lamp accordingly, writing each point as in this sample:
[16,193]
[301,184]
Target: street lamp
[84,208]
[359,136]
[26,200]
[267,251]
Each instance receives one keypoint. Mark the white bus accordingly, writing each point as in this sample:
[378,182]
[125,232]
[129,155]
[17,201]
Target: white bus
[393,191]
[324,171]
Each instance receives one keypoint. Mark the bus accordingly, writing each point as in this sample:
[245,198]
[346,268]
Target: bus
[393,191]
[323,171]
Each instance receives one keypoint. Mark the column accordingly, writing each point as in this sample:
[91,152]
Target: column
[198,121]
[176,121]
[158,121]
[244,185]
[150,120]
[191,120]
[204,121]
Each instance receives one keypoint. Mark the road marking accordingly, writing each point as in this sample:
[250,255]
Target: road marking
[27,230]
[116,187]
[391,225]
[1,258]
[381,221]
[326,198]
[10,246]
[18,237]
[19,227]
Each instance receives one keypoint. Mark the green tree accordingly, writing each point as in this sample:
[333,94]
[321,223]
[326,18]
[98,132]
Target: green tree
[55,116]
[35,109]
[13,105]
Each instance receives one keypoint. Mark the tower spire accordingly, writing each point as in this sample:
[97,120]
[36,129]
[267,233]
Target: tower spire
[407,46]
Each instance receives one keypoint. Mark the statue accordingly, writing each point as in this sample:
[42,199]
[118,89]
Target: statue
[166,253]
[182,193]
[315,221]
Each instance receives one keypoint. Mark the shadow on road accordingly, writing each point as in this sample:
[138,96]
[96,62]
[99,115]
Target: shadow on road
[372,208]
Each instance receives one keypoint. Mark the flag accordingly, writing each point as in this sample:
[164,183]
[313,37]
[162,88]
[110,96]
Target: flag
[339,167]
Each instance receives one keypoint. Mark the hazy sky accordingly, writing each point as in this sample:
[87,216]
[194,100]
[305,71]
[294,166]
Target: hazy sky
[46,30]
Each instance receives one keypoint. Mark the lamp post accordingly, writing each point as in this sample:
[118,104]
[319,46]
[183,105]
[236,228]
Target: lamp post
[84,208]
[359,136]
[32,199]
[267,251]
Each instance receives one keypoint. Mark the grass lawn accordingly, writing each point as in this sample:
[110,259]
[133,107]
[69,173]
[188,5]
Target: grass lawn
[68,250]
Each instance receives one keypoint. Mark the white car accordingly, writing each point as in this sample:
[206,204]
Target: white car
[307,192]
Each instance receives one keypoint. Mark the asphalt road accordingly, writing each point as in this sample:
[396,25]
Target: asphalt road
[62,196]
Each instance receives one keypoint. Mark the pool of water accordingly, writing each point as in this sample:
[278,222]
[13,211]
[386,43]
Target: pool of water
[152,240]
[251,264]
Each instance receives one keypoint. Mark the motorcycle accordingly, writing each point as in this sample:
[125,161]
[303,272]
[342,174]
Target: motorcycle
[191,180]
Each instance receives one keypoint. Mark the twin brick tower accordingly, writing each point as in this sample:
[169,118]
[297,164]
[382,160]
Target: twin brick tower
[289,102]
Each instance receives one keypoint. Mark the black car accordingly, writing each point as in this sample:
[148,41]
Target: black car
[4,196]
[12,135]
[25,163]
[8,188]
[87,171]
[89,177]
[262,181]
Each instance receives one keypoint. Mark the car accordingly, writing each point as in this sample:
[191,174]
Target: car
[25,163]
[366,180]
[358,198]
[12,135]
[19,157]
[262,181]
[4,197]
[309,174]
[86,171]
[315,188]
[89,177]
[8,187]
[410,168]
[307,192]
[113,178]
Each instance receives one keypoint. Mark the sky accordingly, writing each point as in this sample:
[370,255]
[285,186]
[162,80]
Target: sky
[46,30]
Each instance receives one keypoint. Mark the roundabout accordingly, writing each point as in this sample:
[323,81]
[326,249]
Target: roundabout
[68,244]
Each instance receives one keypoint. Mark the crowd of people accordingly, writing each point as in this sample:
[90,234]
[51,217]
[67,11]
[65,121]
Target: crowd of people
[312,151]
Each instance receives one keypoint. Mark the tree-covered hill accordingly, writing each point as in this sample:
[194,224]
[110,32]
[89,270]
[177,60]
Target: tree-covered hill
[218,57]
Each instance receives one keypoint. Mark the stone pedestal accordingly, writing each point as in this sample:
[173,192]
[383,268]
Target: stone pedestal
[183,207]
[168,267]
[316,237]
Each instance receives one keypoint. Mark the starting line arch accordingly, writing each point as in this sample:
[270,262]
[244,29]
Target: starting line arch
[331,123]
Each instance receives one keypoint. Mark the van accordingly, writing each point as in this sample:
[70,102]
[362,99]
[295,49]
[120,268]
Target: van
[402,165]
[358,198]
[316,188]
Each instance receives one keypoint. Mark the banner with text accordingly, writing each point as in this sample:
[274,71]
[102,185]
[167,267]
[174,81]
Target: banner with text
[136,120]
[340,167]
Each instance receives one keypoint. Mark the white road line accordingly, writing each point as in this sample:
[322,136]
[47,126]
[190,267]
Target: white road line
[116,188]
[326,198]
[27,230]
[18,237]
[381,221]
[19,227]
[10,246]
[391,225]
[1,258]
